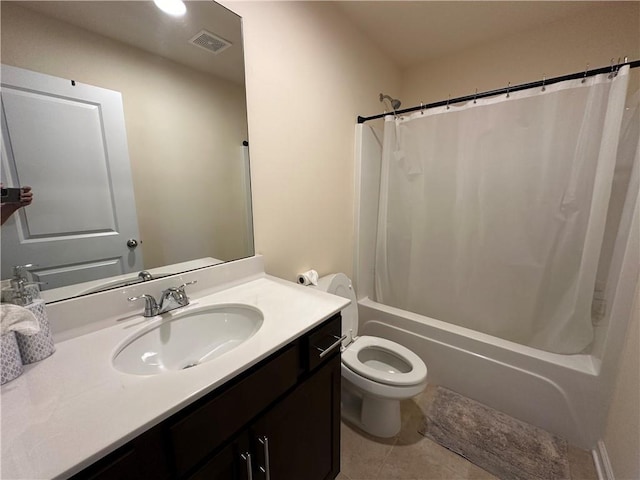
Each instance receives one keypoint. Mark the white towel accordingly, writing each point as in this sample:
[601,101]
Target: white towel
[308,278]
[17,319]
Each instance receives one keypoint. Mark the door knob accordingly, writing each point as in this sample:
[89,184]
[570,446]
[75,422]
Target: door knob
[132,243]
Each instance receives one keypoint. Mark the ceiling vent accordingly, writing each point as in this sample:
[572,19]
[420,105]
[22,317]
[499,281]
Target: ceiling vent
[210,42]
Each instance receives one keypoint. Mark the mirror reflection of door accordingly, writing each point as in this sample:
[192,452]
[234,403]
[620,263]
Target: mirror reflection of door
[79,224]
[186,119]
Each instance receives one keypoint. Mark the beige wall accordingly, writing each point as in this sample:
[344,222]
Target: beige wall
[558,48]
[185,131]
[622,435]
[309,74]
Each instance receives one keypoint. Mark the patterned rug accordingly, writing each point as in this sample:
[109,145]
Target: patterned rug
[506,447]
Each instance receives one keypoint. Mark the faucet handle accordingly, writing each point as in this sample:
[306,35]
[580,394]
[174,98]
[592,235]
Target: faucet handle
[150,304]
[180,289]
[192,282]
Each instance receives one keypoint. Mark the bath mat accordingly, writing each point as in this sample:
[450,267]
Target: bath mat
[506,447]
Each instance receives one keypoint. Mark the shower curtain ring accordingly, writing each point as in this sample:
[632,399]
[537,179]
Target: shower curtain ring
[543,82]
[421,109]
[475,96]
[508,88]
[611,75]
[448,100]
[584,77]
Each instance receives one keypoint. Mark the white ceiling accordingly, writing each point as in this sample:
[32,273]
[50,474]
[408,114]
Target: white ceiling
[415,31]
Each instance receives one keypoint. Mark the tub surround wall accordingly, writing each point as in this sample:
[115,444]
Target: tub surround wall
[622,434]
[367,191]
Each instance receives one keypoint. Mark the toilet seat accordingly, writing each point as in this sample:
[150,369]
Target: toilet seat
[351,359]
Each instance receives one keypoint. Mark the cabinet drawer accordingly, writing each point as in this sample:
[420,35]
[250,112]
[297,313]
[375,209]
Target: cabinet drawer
[207,427]
[143,457]
[120,465]
[320,340]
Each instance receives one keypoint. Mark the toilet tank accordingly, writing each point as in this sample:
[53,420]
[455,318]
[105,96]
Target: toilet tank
[339,284]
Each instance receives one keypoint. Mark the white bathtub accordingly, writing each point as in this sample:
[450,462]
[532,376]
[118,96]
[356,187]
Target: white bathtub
[568,395]
[544,389]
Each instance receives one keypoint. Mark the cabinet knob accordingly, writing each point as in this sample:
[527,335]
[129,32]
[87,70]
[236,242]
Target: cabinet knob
[247,458]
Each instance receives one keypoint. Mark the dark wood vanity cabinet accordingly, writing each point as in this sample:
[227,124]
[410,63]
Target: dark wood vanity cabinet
[301,429]
[280,420]
[298,438]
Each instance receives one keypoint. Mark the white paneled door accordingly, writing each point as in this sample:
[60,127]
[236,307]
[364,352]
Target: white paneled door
[68,142]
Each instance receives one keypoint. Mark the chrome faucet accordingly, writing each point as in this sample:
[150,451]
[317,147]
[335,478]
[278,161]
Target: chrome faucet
[170,299]
[145,276]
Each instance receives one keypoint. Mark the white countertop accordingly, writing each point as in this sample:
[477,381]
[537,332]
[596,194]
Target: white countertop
[74,407]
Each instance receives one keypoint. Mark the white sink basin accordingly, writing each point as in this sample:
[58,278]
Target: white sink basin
[188,339]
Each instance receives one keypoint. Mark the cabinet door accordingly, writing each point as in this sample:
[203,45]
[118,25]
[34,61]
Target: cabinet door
[204,429]
[233,462]
[299,438]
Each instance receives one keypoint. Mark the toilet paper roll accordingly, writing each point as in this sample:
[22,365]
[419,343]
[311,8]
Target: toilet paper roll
[308,278]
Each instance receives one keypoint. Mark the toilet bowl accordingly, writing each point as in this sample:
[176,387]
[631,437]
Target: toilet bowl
[376,373]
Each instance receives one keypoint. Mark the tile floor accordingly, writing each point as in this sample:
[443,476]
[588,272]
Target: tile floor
[410,456]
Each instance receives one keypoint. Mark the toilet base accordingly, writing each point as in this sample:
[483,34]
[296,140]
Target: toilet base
[379,417]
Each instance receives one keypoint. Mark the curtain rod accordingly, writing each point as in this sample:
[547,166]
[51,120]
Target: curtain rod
[515,88]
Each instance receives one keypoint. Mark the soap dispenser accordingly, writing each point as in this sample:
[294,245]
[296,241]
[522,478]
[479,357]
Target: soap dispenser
[21,272]
[36,347]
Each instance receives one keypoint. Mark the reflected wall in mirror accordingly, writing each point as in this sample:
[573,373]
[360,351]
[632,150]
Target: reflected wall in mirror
[132,137]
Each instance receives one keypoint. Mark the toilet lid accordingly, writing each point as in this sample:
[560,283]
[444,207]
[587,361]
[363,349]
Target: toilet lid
[339,284]
[376,369]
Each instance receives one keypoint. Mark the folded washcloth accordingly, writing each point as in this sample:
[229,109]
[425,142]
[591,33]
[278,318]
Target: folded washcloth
[17,319]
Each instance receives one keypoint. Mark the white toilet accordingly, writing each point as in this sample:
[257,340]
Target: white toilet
[376,373]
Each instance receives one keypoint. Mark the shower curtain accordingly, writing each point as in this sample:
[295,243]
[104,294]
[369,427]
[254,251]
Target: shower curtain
[492,214]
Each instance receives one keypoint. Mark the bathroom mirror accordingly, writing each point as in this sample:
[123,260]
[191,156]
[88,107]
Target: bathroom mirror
[130,125]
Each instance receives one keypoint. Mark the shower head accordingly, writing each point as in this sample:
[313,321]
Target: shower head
[394,102]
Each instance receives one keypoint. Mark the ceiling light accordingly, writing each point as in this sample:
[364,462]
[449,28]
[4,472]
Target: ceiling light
[176,8]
